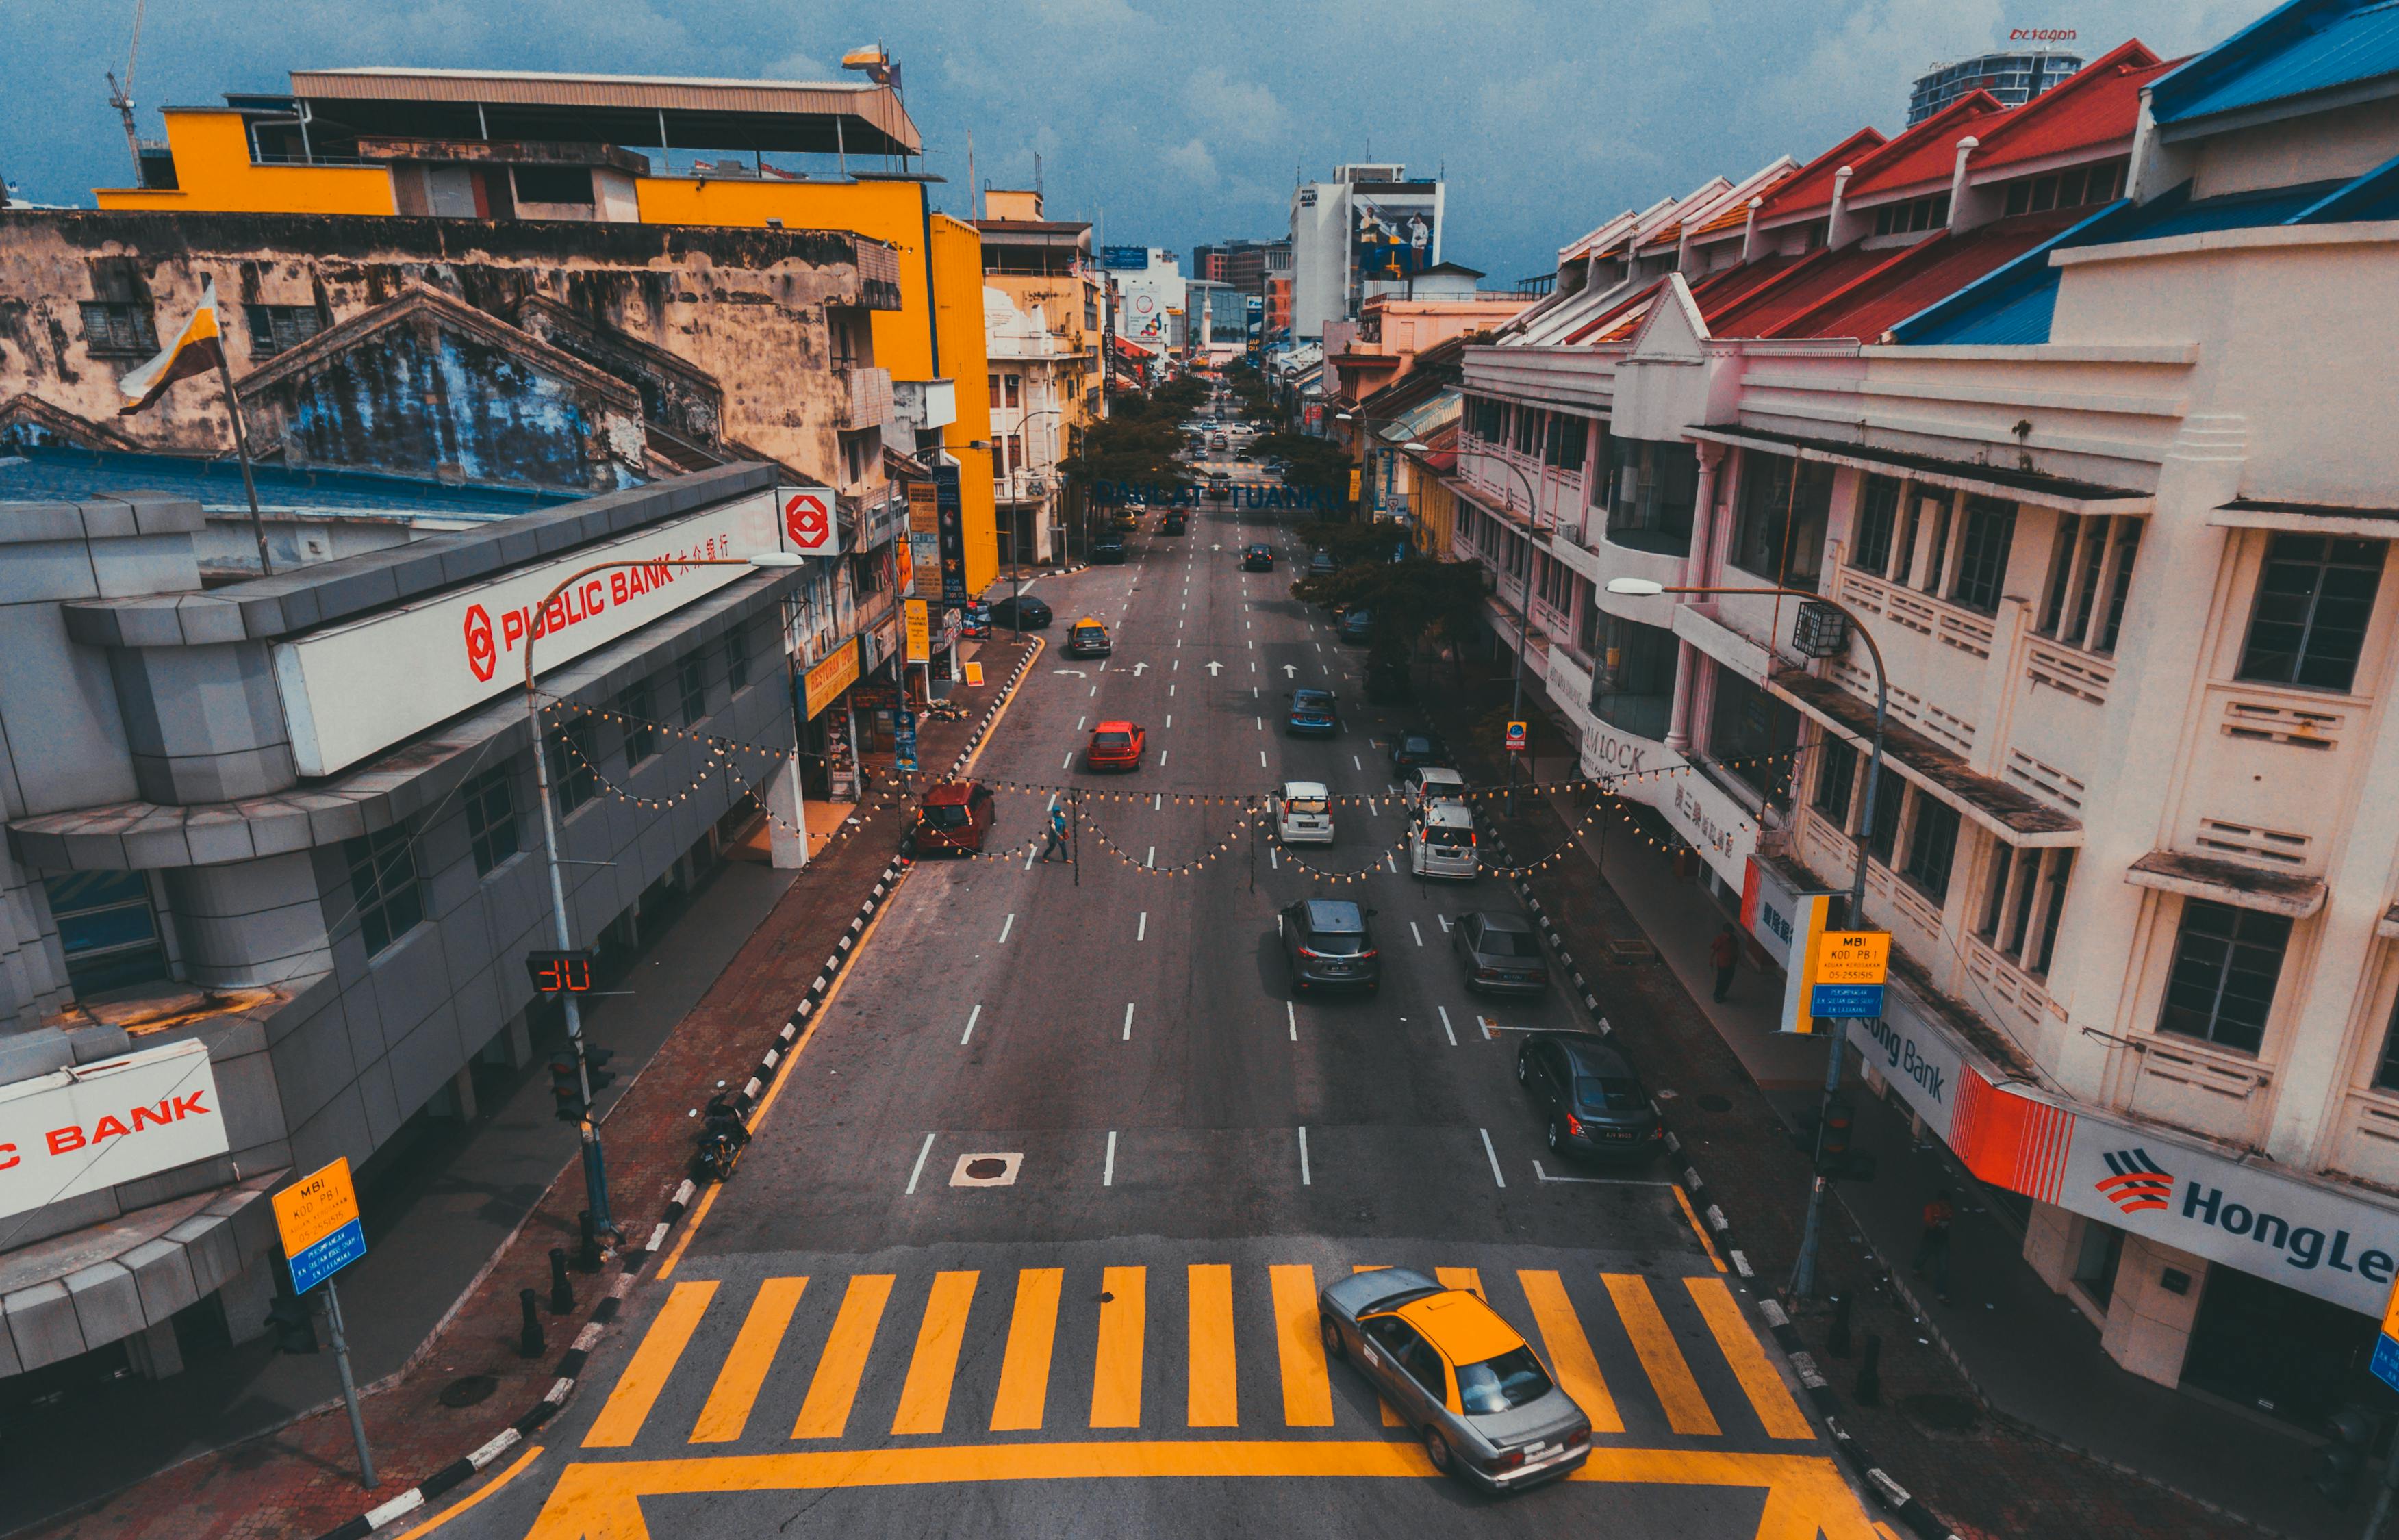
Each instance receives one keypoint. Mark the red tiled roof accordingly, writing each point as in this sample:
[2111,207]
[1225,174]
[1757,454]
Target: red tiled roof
[1927,271]
[1806,283]
[1926,153]
[2098,104]
[1812,185]
[1720,290]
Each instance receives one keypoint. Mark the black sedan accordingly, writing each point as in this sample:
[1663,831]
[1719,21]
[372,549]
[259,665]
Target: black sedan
[1590,1097]
[1257,556]
[1329,946]
[1025,614]
[1418,746]
[1499,953]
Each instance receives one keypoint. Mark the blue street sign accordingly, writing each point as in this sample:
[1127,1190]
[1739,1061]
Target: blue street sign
[316,1263]
[2385,1363]
[1848,1002]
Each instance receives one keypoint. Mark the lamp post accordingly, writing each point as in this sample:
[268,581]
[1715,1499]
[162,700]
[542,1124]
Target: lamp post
[1803,1275]
[1524,621]
[595,1165]
[1015,557]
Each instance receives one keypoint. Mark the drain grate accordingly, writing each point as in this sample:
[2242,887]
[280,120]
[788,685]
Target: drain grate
[986,1169]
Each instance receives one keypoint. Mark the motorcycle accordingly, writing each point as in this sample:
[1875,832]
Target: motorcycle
[722,1139]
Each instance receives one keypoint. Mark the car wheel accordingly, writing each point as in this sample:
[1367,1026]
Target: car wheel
[1437,1450]
[1554,1136]
[1332,1329]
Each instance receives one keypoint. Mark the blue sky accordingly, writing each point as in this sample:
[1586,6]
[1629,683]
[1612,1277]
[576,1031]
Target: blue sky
[1174,123]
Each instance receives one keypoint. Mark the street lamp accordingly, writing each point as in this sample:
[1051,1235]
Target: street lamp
[1524,618]
[1803,1275]
[595,1165]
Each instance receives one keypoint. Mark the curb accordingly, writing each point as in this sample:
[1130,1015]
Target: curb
[595,1327]
[1902,1503]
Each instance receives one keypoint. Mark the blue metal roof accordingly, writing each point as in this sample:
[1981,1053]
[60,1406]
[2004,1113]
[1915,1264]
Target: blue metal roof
[60,475]
[2306,45]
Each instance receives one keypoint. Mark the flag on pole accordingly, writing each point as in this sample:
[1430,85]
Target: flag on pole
[200,347]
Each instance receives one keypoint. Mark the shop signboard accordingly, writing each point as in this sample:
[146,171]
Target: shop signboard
[352,689]
[1124,258]
[1809,914]
[1393,240]
[318,1218]
[87,1127]
[951,512]
[837,671]
[1769,906]
[924,540]
[2385,1363]
[921,641]
[1916,1054]
[811,524]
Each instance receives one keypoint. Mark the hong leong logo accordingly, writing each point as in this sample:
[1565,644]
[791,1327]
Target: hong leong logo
[2134,1182]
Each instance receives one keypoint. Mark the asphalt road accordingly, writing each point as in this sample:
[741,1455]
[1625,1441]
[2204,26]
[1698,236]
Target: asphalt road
[1028,1239]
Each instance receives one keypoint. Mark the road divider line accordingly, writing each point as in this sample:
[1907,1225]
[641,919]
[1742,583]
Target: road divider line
[1005,926]
[1291,1014]
[1303,1157]
[1494,1154]
[1128,1026]
[1108,1168]
[1152,862]
[1486,1024]
[1447,1029]
[1414,932]
[972,1017]
[914,1176]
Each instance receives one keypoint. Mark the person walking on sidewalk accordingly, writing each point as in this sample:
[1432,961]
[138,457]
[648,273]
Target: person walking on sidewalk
[1933,1250]
[1723,953]
[1057,840]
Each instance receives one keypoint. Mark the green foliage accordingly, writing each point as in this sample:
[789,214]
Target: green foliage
[1412,600]
[1314,463]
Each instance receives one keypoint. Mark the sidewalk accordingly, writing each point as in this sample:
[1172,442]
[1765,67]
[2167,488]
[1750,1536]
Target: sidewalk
[736,979]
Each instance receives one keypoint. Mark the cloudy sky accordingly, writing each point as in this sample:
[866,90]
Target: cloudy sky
[1170,122]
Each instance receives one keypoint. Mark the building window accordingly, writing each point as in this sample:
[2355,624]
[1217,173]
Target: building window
[1889,802]
[570,184]
[108,930]
[1877,521]
[1633,679]
[1925,213]
[2227,962]
[2385,1072]
[2314,598]
[1933,847]
[1652,491]
[1557,584]
[2081,187]
[275,328]
[491,819]
[691,685]
[1836,780]
[1011,388]
[737,659]
[1015,447]
[112,327]
[994,391]
[2089,577]
[1752,734]
[1567,438]
[573,752]
[1936,541]
[639,724]
[2061,869]
[1784,507]
[383,886]
[1983,553]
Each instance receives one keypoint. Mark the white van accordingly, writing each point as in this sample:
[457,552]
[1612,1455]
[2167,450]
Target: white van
[1424,785]
[1304,813]
[1440,843]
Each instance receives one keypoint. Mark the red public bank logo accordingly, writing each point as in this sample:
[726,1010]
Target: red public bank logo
[2135,1180]
[482,656]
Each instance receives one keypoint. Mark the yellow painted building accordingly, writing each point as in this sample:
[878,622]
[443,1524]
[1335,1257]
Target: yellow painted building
[489,144]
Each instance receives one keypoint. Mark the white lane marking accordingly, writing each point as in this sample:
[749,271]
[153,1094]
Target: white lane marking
[1303,1157]
[1254,669]
[1141,932]
[1028,849]
[920,1171]
[1444,921]
[1096,689]
[1152,862]
[1414,932]
[1261,759]
[1353,759]
[1278,923]
[1445,1026]
[1170,716]
[1486,1026]
[1108,1171]
[1127,1031]
[1069,763]
[1603,1180]
[1161,757]
[1291,1014]
[1496,1176]
[1005,926]
[972,1017]
[1080,720]
[1392,861]
[1158,802]
[1261,720]
[1274,862]
[1178,662]
[1170,695]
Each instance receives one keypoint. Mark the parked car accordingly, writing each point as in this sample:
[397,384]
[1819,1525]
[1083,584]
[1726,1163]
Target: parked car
[1304,813]
[1423,785]
[953,818]
[1088,638]
[1314,713]
[1418,746]
[1328,944]
[1358,626]
[1257,556]
[1108,548]
[1440,843]
[1320,564]
[1115,746]
[1589,1098]
[1499,953]
[1021,613]
[1457,1373]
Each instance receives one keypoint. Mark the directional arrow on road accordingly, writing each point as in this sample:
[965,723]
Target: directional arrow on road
[1137,670]
[1217,546]
[1213,669]
[1289,671]
[1076,672]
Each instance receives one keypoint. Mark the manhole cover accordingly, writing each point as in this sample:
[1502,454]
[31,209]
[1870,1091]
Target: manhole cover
[1939,1413]
[986,1169]
[1714,1103]
[473,1390]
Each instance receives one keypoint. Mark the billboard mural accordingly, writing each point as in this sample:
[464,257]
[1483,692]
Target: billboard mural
[1134,258]
[1394,243]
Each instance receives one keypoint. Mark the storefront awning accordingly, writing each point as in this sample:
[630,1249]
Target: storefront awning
[2232,883]
[2016,486]
[2013,816]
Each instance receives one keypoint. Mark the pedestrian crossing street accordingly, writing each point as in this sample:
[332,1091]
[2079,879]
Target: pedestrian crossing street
[915,1349]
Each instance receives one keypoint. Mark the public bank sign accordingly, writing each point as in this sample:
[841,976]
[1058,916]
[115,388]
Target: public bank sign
[78,1131]
[352,690]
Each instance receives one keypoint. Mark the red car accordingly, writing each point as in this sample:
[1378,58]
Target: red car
[955,817]
[1115,746]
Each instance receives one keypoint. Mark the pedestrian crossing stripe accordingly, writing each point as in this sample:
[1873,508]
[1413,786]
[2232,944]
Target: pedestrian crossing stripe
[1021,1401]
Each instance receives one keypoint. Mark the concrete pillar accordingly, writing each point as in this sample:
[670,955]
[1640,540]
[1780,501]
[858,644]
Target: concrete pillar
[2051,1238]
[1678,719]
[787,822]
[154,1352]
[245,1296]
[462,1093]
[2152,1309]
[520,1040]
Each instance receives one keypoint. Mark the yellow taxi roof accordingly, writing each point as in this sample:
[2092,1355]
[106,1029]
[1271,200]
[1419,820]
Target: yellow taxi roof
[1087,620]
[1461,1326]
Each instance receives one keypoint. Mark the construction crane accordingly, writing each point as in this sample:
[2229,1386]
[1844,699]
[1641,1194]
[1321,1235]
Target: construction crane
[121,97]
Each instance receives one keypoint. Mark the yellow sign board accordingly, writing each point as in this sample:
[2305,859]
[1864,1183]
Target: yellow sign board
[825,682]
[920,631]
[974,672]
[316,1206]
[1853,957]
[904,559]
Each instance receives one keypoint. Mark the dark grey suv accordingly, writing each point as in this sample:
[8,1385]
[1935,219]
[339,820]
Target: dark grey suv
[1588,1095]
[1499,953]
[1329,946]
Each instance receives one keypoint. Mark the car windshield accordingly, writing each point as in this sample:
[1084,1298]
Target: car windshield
[1514,1378]
[1506,943]
[949,815]
[1608,1093]
[1302,804]
[1310,700]
[1453,839]
[1112,740]
[1415,745]
[1090,633]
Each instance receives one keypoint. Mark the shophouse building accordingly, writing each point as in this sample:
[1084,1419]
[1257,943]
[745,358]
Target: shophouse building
[1371,228]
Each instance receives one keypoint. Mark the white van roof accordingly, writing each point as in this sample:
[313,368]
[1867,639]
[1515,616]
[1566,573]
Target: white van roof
[1449,815]
[1438,774]
[1301,791]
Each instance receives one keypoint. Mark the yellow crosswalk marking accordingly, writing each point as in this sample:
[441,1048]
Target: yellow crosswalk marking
[1390,1413]
[1759,1381]
[925,1398]
[1213,1392]
[1307,1388]
[1687,1409]
[1116,1371]
[654,1362]
[1024,1370]
[826,1412]
[727,1411]
[1468,1279]
[1569,1350]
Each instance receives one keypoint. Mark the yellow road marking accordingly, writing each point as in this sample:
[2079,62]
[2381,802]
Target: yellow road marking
[1024,1372]
[494,1484]
[652,1362]
[1571,1355]
[1805,1493]
[727,1411]
[1700,1229]
[1390,1413]
[1214,1398]
[925,1398]
[1468,1279]
[1687,1409]
[1759,1381]
[826,1412]
[1115,1369]
[1307,1388]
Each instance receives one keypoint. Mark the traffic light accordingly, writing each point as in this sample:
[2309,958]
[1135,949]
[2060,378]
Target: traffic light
[288,1318]
[566,1085]
[595,1065]
[2341,1461]
[1833,1137]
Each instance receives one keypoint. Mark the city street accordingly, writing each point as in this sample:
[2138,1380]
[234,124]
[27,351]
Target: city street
[1041,1211]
